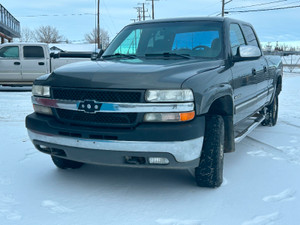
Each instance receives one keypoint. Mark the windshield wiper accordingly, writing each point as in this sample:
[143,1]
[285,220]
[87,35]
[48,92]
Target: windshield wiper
[119,55]
[169,55]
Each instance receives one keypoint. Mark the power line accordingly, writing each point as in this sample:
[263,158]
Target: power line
[47,15]
[260,4]
[263,10]
[110,17]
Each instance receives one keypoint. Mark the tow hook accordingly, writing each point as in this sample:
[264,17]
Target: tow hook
[135,160]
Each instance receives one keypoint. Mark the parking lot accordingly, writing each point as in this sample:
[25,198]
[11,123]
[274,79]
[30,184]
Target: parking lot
[261,180]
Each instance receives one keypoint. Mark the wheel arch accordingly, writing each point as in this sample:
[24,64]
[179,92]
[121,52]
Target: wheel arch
[223,106]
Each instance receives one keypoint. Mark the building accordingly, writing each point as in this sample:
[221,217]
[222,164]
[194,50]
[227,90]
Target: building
[9,26]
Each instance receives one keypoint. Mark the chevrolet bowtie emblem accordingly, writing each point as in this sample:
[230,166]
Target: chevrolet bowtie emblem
[89,106]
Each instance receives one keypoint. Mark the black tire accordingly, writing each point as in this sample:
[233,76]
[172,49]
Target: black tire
[271,113]
[209,173]
[65,163]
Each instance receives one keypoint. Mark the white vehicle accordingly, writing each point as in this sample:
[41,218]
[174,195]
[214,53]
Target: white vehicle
[22,63]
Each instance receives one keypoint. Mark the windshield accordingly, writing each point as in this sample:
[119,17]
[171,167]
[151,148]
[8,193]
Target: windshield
[168,39]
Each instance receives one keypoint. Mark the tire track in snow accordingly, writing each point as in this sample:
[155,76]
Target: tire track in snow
[55,207]
[290,124]
[178,222]
[286,195]
[7,205]
[263,220]
[288,153]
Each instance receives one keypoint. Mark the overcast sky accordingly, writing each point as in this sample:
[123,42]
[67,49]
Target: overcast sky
[280,25]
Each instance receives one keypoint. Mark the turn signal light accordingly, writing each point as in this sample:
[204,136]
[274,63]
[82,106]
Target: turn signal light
[187,116]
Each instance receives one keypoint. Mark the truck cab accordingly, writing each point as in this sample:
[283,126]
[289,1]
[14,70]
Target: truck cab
[22,63]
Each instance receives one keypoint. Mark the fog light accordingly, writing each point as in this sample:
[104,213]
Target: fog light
[43,147]
[158,160]
[42,110]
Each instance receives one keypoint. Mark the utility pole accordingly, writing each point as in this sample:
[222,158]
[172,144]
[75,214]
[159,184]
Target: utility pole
[144,12]
[223,7]
[98,25]
[152,7]
[139,13]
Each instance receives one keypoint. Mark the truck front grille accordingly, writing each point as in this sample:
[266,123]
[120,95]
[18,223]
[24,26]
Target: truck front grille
[97,95]
[97,119]
[78,117]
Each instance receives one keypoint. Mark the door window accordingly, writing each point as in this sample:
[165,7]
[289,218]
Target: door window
[236,38]
[33,52]
[10,52]
[250,36]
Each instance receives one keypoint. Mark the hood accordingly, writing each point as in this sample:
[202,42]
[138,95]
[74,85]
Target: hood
[129,73]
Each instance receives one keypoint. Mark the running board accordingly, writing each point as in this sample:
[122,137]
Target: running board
[257,120]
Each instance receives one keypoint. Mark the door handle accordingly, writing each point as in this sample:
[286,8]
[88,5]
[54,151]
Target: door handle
[254,72]
[17,63]
[41,63]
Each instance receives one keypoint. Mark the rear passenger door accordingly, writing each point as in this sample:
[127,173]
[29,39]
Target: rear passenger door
[34,62]
[244,77]
[262,74]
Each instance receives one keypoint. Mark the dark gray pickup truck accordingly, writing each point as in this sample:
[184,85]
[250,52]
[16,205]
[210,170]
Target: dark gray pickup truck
[174,93]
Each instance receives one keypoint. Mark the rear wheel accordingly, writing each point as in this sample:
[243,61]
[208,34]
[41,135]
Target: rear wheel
[271,113]
[209,173]
[66,163]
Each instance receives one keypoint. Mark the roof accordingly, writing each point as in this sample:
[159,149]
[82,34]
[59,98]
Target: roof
[22,43]
[73,47]
[188,19]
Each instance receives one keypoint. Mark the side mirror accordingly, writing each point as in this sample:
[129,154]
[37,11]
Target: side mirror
[247,52]
[96,55]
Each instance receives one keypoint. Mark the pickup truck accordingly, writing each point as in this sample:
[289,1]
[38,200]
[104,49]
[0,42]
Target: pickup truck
[171,93]
[22,63]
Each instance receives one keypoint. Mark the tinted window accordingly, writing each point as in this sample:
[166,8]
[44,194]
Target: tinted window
[195,39]
[250,36]
[9,52]
[236,38]
[33,52]
[205,41]
[130,44]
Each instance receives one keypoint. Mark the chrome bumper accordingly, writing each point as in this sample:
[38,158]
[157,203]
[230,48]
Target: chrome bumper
[183,151]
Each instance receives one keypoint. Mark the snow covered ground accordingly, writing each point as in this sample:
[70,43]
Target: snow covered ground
[261,180]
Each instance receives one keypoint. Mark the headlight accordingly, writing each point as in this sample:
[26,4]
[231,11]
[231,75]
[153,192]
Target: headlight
[184,95]
[39,90]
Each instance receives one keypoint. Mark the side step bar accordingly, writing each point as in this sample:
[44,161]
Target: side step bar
[258,118]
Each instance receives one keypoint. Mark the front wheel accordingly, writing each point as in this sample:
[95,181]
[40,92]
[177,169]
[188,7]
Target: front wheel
[271,113]
[66,163]
[209,173]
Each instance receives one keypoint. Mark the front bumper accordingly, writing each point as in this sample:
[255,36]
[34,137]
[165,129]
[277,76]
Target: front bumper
[180,143]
